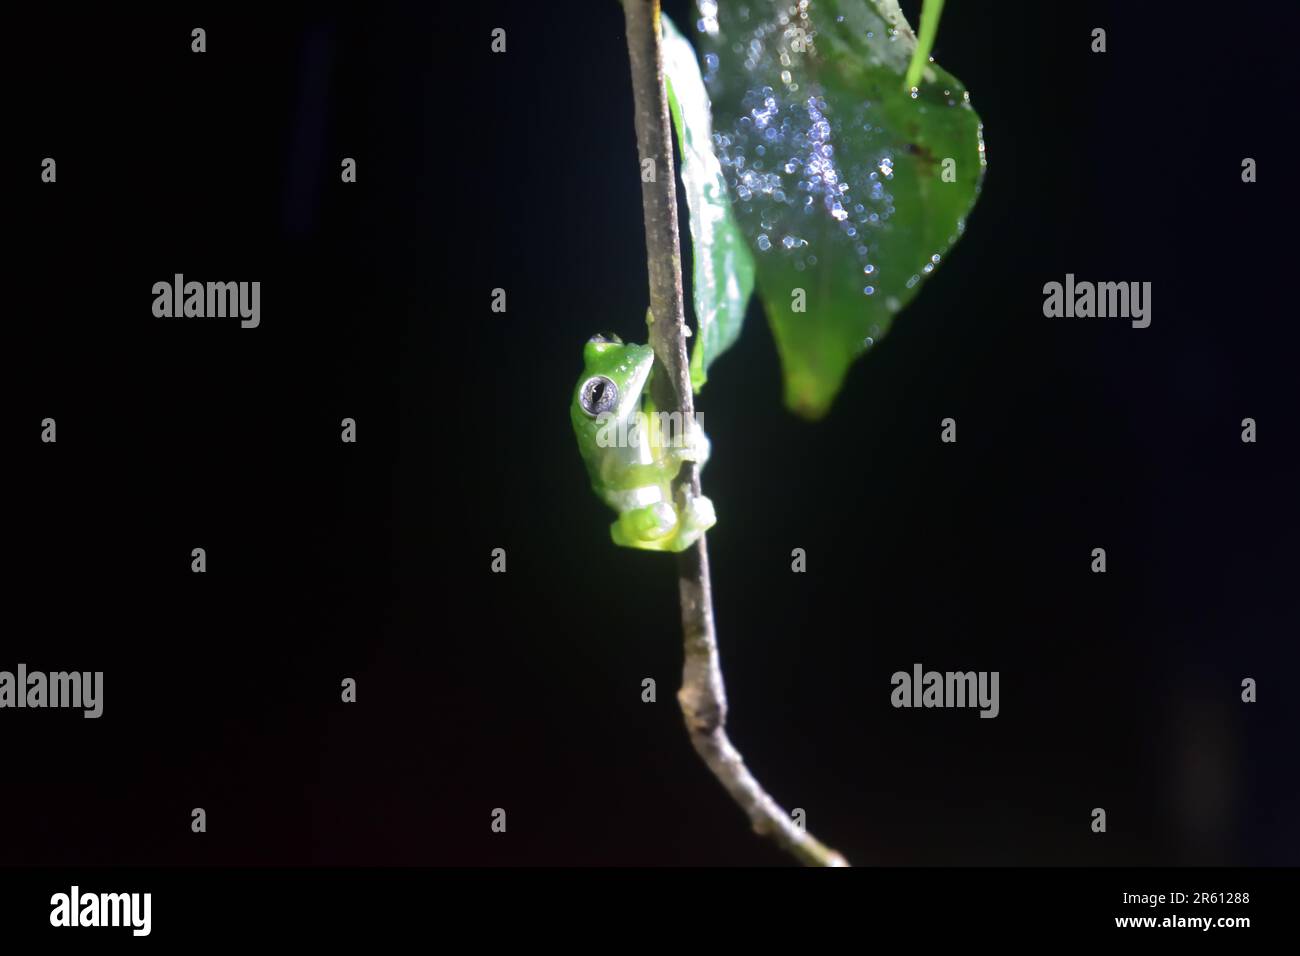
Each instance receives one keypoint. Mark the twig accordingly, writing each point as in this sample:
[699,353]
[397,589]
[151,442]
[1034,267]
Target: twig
[703,698]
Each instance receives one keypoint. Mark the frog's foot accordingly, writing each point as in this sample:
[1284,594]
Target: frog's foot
[698,518]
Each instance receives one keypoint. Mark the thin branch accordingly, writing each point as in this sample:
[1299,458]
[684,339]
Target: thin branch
[703,697]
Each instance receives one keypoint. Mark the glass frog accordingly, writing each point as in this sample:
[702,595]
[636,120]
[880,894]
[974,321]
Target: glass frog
[633,453]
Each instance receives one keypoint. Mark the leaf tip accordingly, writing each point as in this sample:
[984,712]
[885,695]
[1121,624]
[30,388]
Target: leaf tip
[808,401]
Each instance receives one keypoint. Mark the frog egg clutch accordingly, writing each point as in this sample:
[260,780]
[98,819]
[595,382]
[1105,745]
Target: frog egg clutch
[633,453]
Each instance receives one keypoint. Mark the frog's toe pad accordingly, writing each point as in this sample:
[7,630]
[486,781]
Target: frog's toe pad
[700,516]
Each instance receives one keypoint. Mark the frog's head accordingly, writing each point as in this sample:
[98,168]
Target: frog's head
[605,406]
[613,378]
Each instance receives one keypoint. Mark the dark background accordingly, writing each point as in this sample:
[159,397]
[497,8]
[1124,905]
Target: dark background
[522,690]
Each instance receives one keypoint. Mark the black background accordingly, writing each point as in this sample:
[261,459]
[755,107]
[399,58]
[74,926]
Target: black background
[522,691]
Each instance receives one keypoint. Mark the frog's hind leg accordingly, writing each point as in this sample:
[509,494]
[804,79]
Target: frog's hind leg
[644,527]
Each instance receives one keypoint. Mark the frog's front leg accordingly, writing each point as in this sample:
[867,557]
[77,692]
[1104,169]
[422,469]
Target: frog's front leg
[697,446]
[689,443]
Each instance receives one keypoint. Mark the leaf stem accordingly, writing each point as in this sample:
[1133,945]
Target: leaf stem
[703,697]
[929,29]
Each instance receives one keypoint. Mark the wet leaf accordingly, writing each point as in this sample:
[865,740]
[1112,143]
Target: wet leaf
[723,265]
[849,187]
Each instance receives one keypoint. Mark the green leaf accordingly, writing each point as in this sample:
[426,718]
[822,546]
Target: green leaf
[724,266]
[841,174]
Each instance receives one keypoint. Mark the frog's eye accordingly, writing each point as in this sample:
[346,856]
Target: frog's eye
[605,338]
[598,395]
